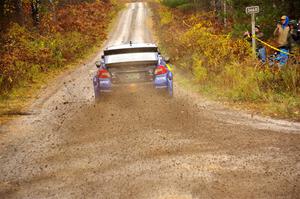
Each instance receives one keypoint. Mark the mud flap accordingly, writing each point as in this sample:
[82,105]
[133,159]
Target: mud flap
[170,88]
[96,88]
[170,84]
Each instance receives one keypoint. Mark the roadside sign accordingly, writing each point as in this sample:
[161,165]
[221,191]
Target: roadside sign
[252,10]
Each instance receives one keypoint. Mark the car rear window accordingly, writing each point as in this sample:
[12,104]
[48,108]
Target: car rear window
[130,50]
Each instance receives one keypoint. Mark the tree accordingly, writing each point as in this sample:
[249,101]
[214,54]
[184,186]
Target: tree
[35,12]
[19,12]
[11,11]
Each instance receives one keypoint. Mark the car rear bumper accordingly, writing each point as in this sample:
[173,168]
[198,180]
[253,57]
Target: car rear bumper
[161,81]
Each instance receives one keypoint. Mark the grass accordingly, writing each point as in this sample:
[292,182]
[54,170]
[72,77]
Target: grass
[281,109]
[222,67]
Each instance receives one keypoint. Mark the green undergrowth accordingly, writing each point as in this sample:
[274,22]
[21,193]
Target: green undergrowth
[223,67]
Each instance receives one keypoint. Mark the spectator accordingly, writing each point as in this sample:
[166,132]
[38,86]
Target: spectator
[294,36]
[298,26]
[282,32]
[260,49]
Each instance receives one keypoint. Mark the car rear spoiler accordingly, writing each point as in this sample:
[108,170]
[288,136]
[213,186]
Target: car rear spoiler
[130,50]
[132,64]
[131,59]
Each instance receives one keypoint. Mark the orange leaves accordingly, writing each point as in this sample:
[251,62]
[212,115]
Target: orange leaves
[88,19]
[85,18]
[63,37]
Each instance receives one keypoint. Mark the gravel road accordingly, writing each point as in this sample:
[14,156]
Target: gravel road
[137,143]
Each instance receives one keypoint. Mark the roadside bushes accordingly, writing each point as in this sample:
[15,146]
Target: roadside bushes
[223,65]
[174,3]
[25,52]
[216,49]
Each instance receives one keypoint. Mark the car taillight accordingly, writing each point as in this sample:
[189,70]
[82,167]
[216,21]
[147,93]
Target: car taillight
[160,70]
[103,73]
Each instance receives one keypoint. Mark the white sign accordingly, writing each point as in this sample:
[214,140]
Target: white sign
[252,10]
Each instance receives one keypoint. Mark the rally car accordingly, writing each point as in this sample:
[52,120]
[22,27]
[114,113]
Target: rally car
[132,63]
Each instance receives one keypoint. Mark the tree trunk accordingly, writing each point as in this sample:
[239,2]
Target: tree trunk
[225,13]
[2,8]
[19,12]
[219,9]
[35,12]
[213,5]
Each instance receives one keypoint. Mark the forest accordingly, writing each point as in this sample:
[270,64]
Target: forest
[232,12]
[208,41]
[38,36]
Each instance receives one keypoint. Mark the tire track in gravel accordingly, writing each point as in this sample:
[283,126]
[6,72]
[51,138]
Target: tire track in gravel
[137,143]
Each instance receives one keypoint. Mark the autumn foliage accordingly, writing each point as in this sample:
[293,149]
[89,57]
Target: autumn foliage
[61,38]
[223,65]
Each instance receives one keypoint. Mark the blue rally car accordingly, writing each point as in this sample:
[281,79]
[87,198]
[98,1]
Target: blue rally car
[132,63]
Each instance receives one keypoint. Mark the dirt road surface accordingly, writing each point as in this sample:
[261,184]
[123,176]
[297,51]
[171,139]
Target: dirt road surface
[136,143]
